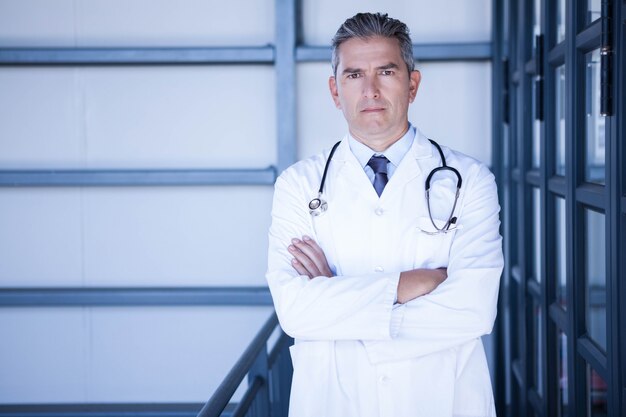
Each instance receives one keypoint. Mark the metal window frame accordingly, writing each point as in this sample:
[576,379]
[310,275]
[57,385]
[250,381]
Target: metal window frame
[579,195]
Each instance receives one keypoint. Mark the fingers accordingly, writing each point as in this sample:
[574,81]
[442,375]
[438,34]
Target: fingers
[300,268]
[309,257]
[302,263]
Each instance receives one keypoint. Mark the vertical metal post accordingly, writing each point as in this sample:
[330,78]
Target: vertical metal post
[261,405]
[498,100]
[523,132]
[285,41]
[606,53]
[285,370]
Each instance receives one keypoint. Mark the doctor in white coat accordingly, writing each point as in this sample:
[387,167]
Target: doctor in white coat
[387,311]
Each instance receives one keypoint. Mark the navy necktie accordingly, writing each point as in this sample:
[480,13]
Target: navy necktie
[379,165]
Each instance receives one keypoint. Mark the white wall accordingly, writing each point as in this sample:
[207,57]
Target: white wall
[171,117]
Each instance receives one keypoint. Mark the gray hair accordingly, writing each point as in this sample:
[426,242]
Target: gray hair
[368,25]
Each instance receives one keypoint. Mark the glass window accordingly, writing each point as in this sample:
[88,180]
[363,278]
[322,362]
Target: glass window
[595,277]
[560,120]
[561,372]
[597,404]
[560,269]
[560,23]
[536,129]
[514,320]
[537,329]
[594,10]
[536,231]
[595,130]
[536,18]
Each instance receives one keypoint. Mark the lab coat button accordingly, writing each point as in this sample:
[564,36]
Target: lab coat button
[379,211]
[379,269]
[383,379]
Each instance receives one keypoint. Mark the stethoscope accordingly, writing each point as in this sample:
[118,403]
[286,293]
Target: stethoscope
[318,205]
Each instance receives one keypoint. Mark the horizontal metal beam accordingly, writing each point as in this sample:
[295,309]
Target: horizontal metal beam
[557,185]
[104,410]
[533,177]
[136,56]
[421,52]
[593,195]
[41,178]
[189,296]
[590,38]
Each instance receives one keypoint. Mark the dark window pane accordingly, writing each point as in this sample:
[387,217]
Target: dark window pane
[595,277]
[514,319]
[595,124]
[536,130]
[561,372]
[537,343]
[536,231]
[560,120]
[597,404]
[561,277]
[536,124]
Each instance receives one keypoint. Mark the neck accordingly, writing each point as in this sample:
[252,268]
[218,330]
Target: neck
[379,144]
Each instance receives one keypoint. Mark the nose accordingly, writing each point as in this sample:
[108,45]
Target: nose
[370,88]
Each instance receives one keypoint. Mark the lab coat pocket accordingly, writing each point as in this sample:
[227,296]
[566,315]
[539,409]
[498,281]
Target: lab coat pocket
[432,247]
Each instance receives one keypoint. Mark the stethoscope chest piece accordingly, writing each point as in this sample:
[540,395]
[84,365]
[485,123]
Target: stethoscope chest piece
[317,206]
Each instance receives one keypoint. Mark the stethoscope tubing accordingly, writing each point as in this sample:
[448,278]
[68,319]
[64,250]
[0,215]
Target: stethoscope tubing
[318,205]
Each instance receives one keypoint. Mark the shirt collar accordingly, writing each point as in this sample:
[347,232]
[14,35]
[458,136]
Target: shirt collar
[394,153]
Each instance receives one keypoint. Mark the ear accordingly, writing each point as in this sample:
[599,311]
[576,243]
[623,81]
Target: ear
[414,82]
[332,85]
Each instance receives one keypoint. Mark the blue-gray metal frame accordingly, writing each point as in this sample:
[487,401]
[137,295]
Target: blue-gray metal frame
[146,177]
[470,51]
[136,56]
[497,110]
[119,296]
[105,410]
[581,37]
[286,39]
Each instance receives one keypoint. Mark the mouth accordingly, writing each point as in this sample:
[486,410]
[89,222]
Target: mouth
[372,109]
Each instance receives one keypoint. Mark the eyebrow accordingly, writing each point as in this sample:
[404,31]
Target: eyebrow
[390,65]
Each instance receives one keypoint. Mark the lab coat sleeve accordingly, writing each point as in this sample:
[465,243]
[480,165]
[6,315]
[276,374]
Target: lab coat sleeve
[464,306]
[336,308]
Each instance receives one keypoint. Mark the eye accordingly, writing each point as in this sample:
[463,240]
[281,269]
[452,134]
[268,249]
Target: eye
[354,76]
[387,72]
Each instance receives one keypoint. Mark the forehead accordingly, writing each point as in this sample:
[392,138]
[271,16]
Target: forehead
[358,52]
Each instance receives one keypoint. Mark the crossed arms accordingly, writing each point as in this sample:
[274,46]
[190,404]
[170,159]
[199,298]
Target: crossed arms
[309,260]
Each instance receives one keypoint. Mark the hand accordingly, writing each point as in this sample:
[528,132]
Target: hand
[418,282]
[309,258]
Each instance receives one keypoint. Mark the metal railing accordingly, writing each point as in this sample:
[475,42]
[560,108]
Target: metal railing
[269,378]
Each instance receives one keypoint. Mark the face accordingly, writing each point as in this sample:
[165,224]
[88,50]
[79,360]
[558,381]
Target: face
[373,89]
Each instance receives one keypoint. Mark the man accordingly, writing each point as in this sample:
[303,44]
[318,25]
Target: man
[386,293]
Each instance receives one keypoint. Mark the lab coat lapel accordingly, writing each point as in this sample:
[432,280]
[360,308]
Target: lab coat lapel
[411,167]
[350,173]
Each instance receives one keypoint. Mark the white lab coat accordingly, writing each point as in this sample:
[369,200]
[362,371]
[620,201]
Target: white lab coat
[356,353]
